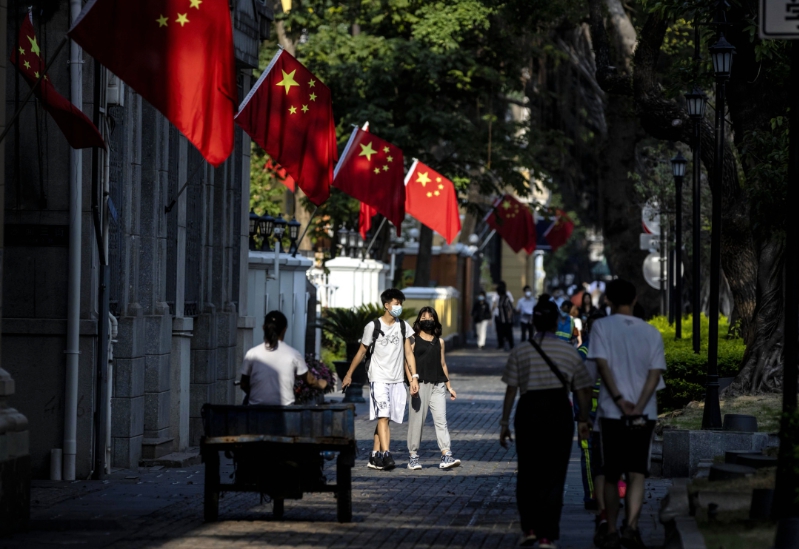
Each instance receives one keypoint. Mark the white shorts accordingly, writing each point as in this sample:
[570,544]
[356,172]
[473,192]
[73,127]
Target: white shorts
[387,400]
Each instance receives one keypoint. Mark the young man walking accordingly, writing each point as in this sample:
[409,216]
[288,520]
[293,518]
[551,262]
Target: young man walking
[630,358]
[387,339]
[525,309]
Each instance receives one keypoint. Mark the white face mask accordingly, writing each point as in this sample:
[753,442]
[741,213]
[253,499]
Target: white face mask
[528,294]
[396,311]
[481,298]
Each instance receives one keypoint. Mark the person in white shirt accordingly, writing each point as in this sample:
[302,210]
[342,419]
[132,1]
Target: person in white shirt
[390,348]
[630,358]
[270,369]
[525,309]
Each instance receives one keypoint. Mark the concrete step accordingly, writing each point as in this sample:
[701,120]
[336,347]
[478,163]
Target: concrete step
[175,459]
[154,448]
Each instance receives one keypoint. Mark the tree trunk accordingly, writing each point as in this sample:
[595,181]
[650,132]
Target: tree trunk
[424,257]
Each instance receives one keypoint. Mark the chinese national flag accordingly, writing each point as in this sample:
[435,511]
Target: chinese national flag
[372,171]
[561,231]
[289,113]
[430,197]
[80,132]
[176,54]
[514,222]
[280,173]
[365,219]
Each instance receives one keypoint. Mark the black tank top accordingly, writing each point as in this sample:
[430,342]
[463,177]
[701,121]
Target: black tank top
[428,360]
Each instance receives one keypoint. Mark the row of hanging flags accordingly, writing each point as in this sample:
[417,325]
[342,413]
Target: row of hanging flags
[178,56]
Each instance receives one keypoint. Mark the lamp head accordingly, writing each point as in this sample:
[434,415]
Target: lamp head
[696,100]
[722,52]
[678,164]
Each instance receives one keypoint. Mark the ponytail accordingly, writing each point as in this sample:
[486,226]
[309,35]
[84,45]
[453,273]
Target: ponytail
[274,324]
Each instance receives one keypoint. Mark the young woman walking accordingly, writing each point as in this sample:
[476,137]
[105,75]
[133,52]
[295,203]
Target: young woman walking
[434,384]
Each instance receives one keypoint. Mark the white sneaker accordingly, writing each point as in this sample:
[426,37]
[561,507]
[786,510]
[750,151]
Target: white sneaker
[413,463]
[447,461]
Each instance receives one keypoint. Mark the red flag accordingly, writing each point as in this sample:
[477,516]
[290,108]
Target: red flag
[289,113]
[372,171]
[431,198]
[80,132]
[176,54]
[365,219]
[560,232]
[514,222]
[280,173]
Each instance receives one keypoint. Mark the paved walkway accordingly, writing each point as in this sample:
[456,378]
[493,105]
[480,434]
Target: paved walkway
[470,506]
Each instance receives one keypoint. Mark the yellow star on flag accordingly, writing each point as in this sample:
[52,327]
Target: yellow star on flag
[195,3]
[311,83]
[34,45]
[313,97]
[429,195]
[367,151]
[162,21]
[390,158]
[377,170]
[36,74]
[506,205]
[293,110]
[423,179]
[305,108]
[385,168]
[438,180]
[183,18]
[27,65]
[288,80]
[437,193]
[21,51]
[385,150]
[440,186]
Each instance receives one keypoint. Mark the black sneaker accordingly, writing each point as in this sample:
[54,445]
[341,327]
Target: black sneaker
[631,538]
[388,461]
[376,461]
[600,534]
[611,541]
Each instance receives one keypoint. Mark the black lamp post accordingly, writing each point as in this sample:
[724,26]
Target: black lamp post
[722,52]
[342,236]
[267,225]
[678,164]
[253,228]
[279,230]
[352,242]
[294,233]
[697,101]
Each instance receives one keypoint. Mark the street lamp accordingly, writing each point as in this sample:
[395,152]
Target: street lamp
[279,230]
[342,235]
[697,101]
[294,233]
[722,52]
[678,164]
[352,242]
[267,225]
[253,228]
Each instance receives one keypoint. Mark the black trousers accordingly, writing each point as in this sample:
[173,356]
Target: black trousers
[544,433]
[527,331]
[504,333]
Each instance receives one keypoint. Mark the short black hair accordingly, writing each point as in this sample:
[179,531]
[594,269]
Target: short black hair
[620,292]
[391,294]
[526,288]
[545,316]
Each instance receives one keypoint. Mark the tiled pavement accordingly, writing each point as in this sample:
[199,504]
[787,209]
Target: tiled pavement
[471,506]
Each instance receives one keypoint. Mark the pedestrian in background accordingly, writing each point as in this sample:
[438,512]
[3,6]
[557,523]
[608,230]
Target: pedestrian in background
[587,307]
[544,370]
[434,385]
[525,309]
[503,312]
[481,315]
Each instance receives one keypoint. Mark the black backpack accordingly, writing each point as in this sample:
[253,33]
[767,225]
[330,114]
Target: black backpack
[377,332]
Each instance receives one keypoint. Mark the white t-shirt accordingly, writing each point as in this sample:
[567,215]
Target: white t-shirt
[525,307]
[272,373]
[632,348]
[388,360]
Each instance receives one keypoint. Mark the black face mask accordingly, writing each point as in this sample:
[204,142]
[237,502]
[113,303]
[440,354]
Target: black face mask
[427,326]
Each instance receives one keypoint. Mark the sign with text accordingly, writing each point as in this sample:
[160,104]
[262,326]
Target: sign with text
[779,19]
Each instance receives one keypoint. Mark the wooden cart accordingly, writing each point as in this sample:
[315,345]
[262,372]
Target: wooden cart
[276,451]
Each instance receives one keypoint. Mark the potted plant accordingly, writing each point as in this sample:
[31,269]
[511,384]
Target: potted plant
[347,325]
[304,393]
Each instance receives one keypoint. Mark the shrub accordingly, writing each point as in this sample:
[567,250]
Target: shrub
[686,371]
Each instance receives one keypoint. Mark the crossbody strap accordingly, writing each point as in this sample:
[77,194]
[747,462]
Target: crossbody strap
[551,364]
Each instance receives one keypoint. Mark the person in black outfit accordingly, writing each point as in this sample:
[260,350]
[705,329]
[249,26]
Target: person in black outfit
[481,315]
[434,384]
[504,317]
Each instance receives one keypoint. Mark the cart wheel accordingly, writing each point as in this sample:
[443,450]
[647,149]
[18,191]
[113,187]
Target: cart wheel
[211,505]
[344,491]
[277,508]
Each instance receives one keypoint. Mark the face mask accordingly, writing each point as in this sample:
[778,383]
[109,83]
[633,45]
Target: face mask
[528,294]
[427,326]
[396,311]
[481,298]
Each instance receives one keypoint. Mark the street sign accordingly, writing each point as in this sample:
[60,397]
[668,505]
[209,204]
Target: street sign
[650,216]
[779,19]
[650,242]
[652,271]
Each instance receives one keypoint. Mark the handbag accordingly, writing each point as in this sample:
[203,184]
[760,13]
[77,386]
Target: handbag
[551,364]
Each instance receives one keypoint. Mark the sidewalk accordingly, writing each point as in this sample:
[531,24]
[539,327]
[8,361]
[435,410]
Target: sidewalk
[470,506]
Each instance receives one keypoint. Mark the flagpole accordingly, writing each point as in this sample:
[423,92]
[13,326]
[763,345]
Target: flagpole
[297,246]
[264,74]
[346,151]
[410,171]
[33,88]
[377,232]
[168,209]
